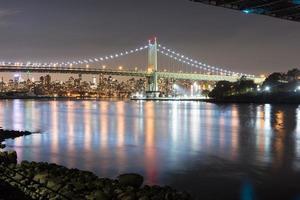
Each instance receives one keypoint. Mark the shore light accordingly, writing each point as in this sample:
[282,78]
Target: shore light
[267,89]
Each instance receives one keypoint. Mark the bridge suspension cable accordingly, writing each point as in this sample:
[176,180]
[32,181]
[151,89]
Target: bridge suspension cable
[77,62]
[195,63]
[104,58]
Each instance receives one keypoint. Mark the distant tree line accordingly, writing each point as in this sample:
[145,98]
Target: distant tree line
[275,83]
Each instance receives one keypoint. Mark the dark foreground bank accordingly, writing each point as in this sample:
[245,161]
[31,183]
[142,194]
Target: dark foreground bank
[51,181]
[7,192]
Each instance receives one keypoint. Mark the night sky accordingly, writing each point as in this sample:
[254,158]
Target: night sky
[59,30]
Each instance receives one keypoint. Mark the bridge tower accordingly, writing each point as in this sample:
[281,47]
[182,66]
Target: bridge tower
[152,68]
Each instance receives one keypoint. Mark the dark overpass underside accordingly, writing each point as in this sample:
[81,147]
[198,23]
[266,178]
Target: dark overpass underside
[284,9]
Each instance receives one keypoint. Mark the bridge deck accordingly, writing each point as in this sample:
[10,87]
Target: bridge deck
[73,70]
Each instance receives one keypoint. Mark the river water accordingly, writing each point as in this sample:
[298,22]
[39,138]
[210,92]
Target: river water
[214,151]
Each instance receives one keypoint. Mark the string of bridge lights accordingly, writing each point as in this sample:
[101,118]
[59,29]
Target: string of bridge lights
[195,63]
[161,49]
[77,62]
[104,58]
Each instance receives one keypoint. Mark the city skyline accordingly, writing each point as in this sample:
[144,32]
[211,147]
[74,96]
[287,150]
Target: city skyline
[59,30]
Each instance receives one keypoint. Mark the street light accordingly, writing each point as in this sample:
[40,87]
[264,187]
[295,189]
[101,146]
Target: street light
[120,67]
[267,89]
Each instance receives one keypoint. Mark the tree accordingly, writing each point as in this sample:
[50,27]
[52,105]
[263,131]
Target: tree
[275,79]
[222,89]
[244,85]
[293,74]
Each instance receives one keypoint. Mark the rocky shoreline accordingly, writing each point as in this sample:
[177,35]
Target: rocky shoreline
[32,180]
[51,181]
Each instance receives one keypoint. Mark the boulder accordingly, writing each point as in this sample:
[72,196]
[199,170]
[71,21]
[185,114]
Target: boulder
[133,180]
[41,177]
[2,146]
[99,195]
[12,157]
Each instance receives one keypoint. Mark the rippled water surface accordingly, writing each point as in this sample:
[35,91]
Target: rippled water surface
[214,151]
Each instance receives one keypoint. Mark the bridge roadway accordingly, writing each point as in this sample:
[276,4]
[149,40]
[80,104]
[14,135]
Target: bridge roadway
[90,70]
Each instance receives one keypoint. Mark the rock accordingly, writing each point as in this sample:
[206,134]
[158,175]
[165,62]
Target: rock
[54,183]
[79,186]
[144,198]
[41,178]
[18,177]
[99,195]
[12,157]
[2,146]
[134,180]
[3,157]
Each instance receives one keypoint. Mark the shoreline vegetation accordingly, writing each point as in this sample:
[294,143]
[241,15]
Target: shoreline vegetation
[278,88]
[33,180]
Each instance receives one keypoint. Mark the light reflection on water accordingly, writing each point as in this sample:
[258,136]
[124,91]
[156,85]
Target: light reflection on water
[200,147]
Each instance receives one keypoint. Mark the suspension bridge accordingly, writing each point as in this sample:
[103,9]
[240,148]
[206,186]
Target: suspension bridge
[191,69]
